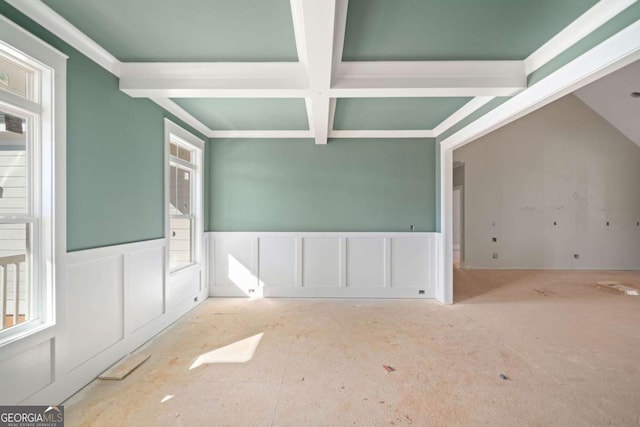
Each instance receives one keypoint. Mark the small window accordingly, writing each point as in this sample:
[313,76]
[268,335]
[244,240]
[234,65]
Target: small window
[16,78]
[184,193]
[18,145]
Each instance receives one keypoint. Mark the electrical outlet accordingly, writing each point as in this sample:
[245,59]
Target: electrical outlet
[495,255]
[421,292]
[494,239]
[576,256]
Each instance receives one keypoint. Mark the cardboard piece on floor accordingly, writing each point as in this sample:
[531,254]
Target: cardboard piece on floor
[617,287]
[124,367]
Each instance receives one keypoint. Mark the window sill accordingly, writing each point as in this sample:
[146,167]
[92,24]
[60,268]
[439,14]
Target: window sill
[19,341]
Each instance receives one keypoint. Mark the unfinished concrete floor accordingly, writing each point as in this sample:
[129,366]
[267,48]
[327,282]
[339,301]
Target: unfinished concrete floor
[571,353]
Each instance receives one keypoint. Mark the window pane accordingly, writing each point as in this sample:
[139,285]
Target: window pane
[173,149]
[184,154]
[173,191]
[13,165]
[14,78]
[180,243]
[184,191]
[15,286]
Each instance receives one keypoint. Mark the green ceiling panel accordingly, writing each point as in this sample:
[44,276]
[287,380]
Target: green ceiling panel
[248,113]
[412,30]
[194,30]
[394,113]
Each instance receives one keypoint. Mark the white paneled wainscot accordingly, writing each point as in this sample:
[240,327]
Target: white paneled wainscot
[359,265]
[113,300]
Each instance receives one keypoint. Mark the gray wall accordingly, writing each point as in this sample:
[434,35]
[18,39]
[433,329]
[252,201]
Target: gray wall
[562,164]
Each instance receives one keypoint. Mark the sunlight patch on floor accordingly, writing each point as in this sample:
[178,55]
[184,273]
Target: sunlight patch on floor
[239,352]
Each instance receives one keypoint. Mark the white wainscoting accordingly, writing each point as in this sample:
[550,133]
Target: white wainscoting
[359,265]
[27,369]
[113,300]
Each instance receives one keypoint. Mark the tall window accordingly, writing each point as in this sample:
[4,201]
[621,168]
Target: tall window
[185,194]
[27,177]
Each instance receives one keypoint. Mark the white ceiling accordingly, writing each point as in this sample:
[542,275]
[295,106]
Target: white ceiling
[610,97]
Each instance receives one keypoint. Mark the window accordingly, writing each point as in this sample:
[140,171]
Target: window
[184,196]
[28,176]
[17,220]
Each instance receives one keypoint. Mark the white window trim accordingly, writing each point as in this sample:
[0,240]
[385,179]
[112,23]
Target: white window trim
[170,128]
[50,178]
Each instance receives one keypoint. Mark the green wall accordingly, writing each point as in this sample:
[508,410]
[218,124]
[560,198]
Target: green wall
[347,185]
[115,147]
[115,162]
[115,171]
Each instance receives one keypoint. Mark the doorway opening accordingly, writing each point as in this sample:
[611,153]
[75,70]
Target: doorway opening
[458,214]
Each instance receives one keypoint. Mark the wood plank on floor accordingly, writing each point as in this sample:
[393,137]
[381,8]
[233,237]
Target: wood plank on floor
[123,368]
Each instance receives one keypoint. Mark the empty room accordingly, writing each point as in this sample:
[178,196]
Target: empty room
[319,212]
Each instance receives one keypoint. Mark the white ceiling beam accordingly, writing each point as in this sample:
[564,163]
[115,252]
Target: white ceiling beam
[593,18]
[207,89]
[340,30]
[260,134]
[52,21]
[318,108]
[182,114]
[307,104]
[290,79]
[619,50]
[332,112]
[314,28]
[382,134]
[214,79]
[433,89]
[199,70]
[429,78]
[464,111]
[298,31]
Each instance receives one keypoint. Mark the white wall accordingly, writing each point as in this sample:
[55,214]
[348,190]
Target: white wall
[114,299]
[377,265]
[610,97]
[562,164]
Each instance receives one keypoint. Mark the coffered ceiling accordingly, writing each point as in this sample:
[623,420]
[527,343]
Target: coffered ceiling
[324,68]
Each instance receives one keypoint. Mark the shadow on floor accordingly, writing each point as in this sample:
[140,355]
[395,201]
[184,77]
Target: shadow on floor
[470,284]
